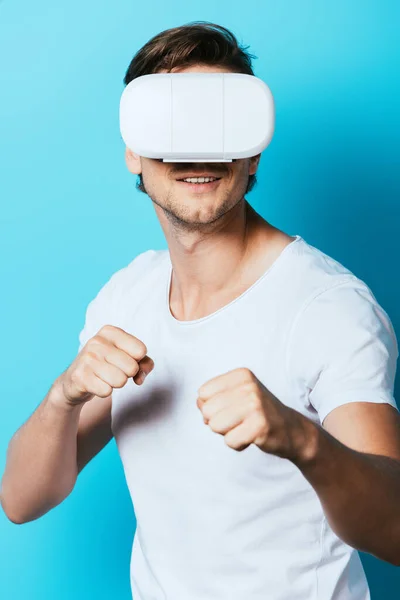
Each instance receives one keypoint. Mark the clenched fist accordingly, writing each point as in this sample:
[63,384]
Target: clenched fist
[238,406]
[106,361]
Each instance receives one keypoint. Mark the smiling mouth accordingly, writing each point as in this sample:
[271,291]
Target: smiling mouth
[199,177]
[200,187]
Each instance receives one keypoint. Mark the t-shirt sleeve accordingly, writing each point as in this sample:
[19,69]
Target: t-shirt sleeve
[99,312]
[102,310]
[343,348]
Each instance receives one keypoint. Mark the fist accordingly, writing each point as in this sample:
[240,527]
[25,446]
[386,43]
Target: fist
[106,362]
[239,407]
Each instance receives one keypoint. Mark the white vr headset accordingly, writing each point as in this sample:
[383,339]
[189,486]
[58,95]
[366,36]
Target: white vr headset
[197,117]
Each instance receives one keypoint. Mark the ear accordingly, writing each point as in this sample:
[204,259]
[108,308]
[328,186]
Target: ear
[133,162]
[253,165]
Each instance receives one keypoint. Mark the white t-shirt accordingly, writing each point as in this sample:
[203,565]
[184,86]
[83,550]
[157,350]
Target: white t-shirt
[214,523]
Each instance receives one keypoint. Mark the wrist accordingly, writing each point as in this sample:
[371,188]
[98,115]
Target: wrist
[56,398]
[306,441]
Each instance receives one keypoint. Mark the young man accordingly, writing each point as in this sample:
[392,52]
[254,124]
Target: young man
[263,447]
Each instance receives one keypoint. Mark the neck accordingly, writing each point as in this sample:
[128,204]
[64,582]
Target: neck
[209,262]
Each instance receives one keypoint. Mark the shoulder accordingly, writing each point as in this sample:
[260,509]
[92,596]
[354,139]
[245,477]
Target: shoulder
[143,266]
[335,312]
[318,284]
[329,289]
[313,271]
[139,274]
[121,282]
[341,327]
[107,305]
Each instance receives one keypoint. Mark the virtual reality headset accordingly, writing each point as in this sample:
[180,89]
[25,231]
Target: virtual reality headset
[197,117]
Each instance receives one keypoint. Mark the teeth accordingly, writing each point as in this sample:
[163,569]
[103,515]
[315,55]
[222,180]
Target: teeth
[199,179]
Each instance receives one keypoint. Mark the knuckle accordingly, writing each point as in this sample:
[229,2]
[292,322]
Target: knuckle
[132,369]
[213,426]
[77,377]
[206,412]
[90,357]
[253,403]
[142,349]
[120,380]
[76,373]
[249,385]
[105,329]
[246,373]
[95,341]
[253,395]
[105,390]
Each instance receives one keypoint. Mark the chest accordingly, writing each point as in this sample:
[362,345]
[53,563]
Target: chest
[158,427]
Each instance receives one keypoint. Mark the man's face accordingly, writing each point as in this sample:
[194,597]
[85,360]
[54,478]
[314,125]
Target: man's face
[179,201]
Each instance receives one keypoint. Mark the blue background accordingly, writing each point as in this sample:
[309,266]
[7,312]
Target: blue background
[71,216]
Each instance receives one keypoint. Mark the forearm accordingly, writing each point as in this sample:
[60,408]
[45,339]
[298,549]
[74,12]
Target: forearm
[41,466]
[360,493]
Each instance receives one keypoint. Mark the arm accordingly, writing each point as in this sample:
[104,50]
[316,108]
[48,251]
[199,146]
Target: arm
[46,454]
[342,354]
[94,430]
[357,475]
[71,425]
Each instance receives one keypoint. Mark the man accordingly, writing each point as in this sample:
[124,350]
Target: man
[248,381]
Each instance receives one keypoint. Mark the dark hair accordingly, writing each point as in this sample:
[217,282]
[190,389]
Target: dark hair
[198,42]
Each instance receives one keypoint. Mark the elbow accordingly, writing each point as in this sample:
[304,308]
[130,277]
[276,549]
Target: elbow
[19,517]
[7,507]
[15,520]
[11,516]
[30,511]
